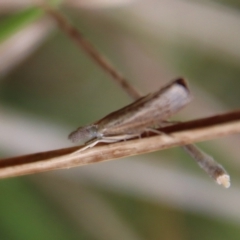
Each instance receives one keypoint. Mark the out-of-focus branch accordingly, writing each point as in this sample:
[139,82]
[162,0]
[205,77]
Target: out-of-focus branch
[78,38]
[178,134]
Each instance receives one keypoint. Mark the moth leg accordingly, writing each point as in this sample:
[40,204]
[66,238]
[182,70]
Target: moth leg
[153,130]
[111,139]
[88,145]
[118,138]
[157,132]
[93,143]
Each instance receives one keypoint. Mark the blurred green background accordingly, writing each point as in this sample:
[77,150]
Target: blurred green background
[49,87]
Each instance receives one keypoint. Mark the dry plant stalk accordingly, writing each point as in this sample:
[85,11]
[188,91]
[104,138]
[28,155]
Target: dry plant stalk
[178,134]
[86,46]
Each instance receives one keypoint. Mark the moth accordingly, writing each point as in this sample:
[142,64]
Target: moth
[144,115]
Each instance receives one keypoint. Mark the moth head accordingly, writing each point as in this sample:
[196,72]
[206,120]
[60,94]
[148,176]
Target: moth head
[84,134]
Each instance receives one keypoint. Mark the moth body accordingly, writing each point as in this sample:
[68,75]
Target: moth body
[146,112]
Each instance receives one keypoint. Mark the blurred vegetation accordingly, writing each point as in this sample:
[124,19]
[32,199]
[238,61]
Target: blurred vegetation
[59,83]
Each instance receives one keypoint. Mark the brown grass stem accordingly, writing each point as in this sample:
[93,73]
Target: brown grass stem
[85,45]
[178,135]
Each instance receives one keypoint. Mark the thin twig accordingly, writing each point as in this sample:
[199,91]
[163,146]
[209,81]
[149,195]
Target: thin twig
[178,134]
[78,38]
[209,165]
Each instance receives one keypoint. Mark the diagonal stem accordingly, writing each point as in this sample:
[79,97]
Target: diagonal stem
[85,45]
